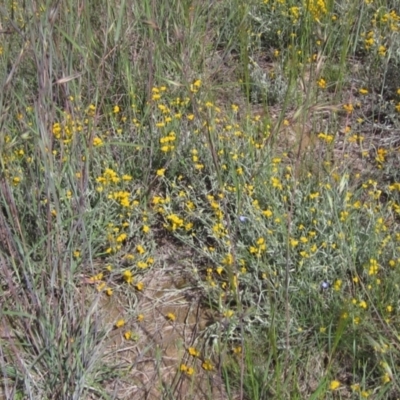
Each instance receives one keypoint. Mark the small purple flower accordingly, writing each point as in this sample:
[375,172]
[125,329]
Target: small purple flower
[325,285]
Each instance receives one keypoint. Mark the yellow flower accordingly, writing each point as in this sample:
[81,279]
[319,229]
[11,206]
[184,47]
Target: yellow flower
[161,172]
[171,317]
[121,237]
[140,317]
[321,83]
[139,286]
[195,86]
[183,368]
[337,285]
[355,387]
[228,313]
[197,83]
[97,142]
[348,107]
[373,267]
[16,180]
[228,259]
[267,213]
[193,352]
[187,370]
[120,323]
[253,250]
[96,278]
[128,335]
[142,264]
[175,222]
[386,378]
[127,276]
[207,365]
[260,241]
[381,153]
[77,254]
[91,109]
[150,261]
[237,350]
[327,138]
[363,304]
[334,385]
[109,292]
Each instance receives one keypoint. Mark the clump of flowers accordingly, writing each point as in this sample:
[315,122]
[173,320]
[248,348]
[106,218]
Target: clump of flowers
[317,9]
[207,365]
[193,352]
[127,276]
[189,371]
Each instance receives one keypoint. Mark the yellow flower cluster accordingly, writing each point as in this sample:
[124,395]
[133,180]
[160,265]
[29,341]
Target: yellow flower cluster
[381,156]
[167,142]
[174,222]
[259,248]
[195,86]
[157,92]
[122,197]
[317,9]
[65,130]
[127,276]
[207,365]
[193,352]
[373,267]
[189,371]
[109,177]
[326,137]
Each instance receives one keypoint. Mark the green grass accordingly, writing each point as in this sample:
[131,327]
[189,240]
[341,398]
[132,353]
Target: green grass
[258,142]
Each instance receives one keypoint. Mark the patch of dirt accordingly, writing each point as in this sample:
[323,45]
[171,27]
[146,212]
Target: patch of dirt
[151,362]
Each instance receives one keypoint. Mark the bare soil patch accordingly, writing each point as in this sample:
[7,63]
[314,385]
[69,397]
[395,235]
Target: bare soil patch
[151,360]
